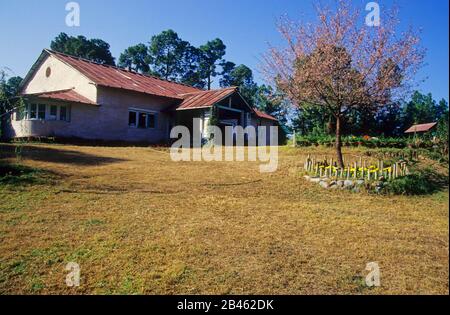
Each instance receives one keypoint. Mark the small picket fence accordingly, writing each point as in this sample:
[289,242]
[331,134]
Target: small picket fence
[361,169]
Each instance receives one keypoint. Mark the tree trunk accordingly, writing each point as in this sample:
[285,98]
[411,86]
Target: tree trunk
[339,142]
[209,77]
[330,125]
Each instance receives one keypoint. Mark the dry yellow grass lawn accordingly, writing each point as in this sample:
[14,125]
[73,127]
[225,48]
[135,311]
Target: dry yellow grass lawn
[136,222]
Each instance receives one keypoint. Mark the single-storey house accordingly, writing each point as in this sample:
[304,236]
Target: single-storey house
[70,97]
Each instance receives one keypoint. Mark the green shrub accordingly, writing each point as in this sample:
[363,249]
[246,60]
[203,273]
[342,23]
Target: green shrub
[310,140]
[421,182]
[282,136]
[436,156]
[352,141]
[15,174]
[414,184]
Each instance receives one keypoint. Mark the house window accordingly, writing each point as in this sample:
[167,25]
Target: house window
[33,111]
[142,119]
[53,112]
[151,121]
[63,113]
[41,111]
[132,119]
[142,122]
[249,119]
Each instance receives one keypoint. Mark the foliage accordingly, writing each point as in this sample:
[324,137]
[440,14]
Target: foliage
[388,124]
[213,121]
[228,76]
[352,141]
[421,182]
[191,74]
[172,58]
[442,136]
[214,118]
[211,55]
[236,76]
[273,102]
[95,50]
[9,89]
[166,52]
[390,120]
[436,155]
[423,109]
[135,58]
[241,76]
[341,65]
[312,120]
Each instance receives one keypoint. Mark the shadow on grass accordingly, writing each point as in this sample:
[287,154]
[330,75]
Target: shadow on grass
[90,143]
[19,175]
[43,154]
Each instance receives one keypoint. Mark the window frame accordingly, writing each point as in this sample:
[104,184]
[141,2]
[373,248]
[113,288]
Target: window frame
[135,119]
[30,111]
[26,112]
[39,111]
[50,116]
[145,118]
[147,113]
[65,113]
[155,119]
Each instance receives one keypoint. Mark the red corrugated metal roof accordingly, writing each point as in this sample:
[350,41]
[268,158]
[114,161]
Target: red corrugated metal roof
[261,114]
[109,76]
[204,99]
[421,128]
[64,95]
[114,77]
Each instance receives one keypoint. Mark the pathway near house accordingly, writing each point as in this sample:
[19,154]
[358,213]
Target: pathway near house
[136,222]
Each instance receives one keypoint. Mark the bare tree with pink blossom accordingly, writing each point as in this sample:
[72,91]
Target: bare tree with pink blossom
[341,64]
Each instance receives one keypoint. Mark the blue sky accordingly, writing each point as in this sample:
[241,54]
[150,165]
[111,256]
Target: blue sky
[246,26]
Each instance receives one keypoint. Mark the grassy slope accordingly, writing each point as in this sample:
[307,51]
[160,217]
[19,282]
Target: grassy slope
[138,223]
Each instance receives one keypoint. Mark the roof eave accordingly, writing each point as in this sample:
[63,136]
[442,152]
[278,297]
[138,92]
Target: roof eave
[192,108]
[41,95]
[232,91]
[60,100]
